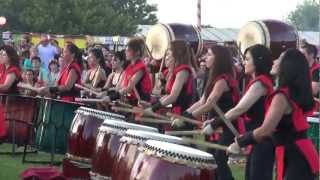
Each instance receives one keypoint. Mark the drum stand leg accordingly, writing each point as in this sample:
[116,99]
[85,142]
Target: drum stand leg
[30,132]
[13,151]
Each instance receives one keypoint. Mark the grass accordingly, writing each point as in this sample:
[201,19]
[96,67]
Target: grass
[11,166]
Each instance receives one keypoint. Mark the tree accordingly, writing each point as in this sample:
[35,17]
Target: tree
[306,16]
[95,17]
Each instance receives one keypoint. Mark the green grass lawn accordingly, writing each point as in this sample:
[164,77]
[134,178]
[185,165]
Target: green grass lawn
[11,166]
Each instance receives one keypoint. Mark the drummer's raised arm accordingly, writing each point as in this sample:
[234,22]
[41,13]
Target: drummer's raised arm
[10,79]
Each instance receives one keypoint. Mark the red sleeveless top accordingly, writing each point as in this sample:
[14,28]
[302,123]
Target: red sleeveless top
[62,81]
[144,86]
[292,130]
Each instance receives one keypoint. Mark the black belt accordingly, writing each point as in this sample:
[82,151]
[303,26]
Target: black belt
[285,137]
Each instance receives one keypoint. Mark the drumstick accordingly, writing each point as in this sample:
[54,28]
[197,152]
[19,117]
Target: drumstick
[225,120]
[87,89]
[139,110]
[150,120]
[205,144]
[144,103]
[189,132]
[175,133]
[89,100]
[124,104]
[27,86]
[184,118]
[123,109]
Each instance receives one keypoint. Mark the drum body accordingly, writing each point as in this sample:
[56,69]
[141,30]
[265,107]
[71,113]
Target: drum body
[276,35]
[156,162]
[160,35]
[56,118]
[128,150]
[107,145]
[84,131]
[20,113]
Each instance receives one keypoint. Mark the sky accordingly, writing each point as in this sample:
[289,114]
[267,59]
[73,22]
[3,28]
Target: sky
[223,13]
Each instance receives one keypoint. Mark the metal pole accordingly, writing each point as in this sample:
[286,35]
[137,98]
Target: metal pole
[199,14]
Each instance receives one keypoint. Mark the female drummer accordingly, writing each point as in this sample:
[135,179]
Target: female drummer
[9,77]
[10,73]
[310,51]
[70,74]
[118,64]
[136,83]
[96,77]
[258,63]
[221,88]
[179,87]
[286,122]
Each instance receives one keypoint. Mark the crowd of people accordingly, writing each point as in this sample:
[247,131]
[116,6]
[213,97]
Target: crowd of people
[274,101]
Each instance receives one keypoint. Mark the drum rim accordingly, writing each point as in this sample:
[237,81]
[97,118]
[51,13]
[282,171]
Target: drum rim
[158,149]
[200,42]
[267,36]
[91,110]
[143,136]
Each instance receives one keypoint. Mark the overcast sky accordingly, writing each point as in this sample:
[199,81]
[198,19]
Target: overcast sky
[223,13]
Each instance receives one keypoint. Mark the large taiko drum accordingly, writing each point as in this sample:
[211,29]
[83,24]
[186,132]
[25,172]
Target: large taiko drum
[128,150]
[107,145]
[20,113]
[162,160]
[160,35]
[82,138]
[276,35]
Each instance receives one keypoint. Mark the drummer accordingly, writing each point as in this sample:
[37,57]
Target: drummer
[179,87]
[221,88]
[136,83]
[9,77]
[96,77]
[258,63]
[70,74]
[118,64]
[10,73]
[114,80]
[285,121]
[310,51]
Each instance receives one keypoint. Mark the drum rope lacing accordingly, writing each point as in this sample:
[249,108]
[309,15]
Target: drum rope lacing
[113,129]
[179,158]
[103,113]
[133,139]
[100,115]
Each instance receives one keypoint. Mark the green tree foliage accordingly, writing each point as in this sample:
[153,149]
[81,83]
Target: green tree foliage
[95,17]
[306,16]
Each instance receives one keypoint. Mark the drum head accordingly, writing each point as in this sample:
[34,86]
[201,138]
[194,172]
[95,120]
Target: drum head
[160,35]
[252,33]
[144,135]
[276,35]
[124,126]
[158,40]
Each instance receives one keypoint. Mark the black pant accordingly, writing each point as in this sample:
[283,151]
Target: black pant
[260,161]
[223,170]
[296,166]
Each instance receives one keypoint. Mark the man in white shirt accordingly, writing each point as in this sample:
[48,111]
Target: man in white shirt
[46,50]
